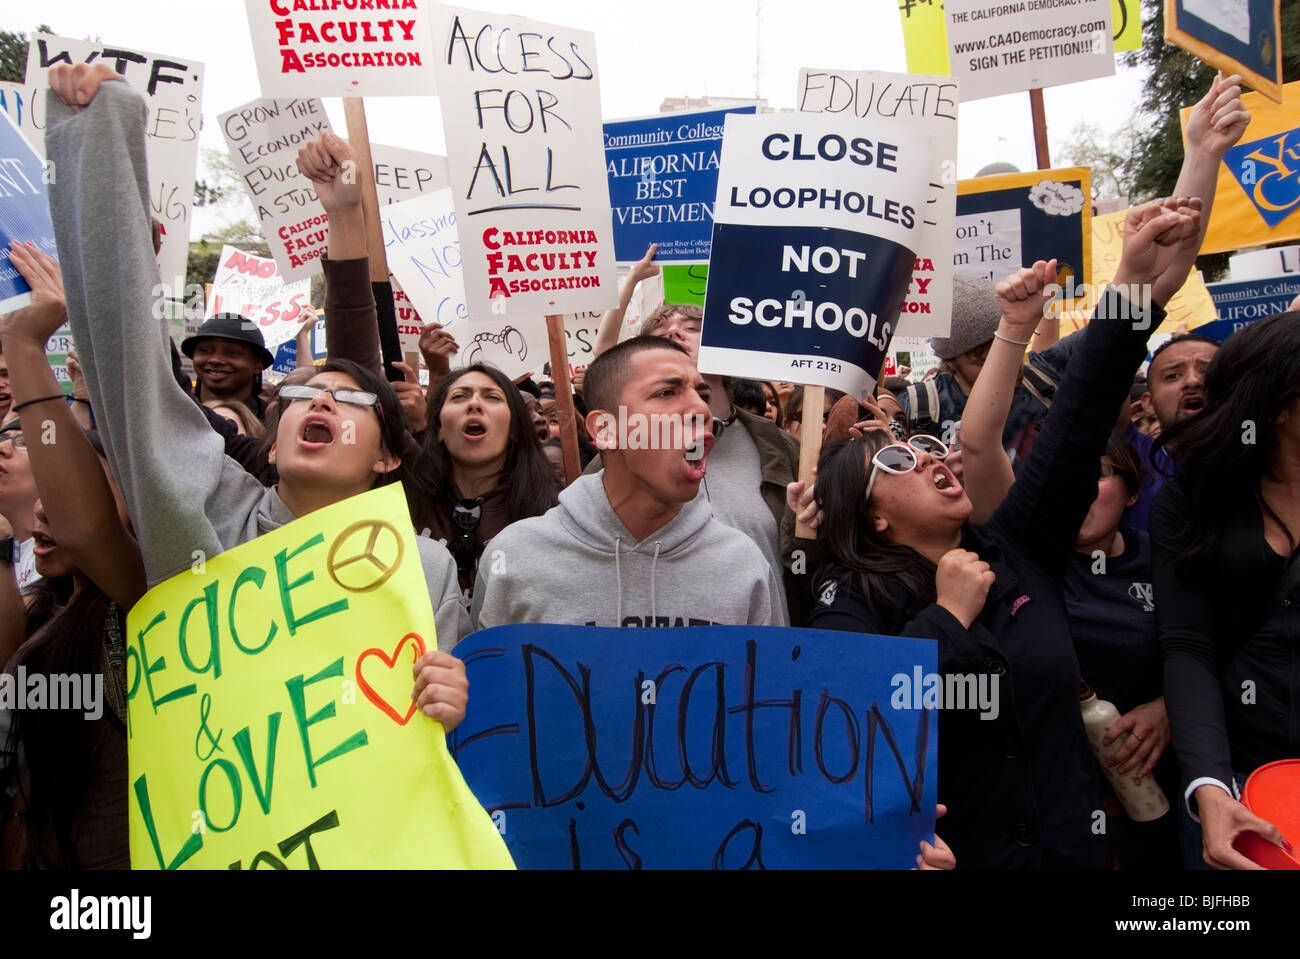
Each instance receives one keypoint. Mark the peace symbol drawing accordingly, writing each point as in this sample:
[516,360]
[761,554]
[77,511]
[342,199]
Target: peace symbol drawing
[365,555]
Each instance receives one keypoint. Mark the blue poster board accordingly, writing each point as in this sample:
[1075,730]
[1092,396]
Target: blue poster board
[24,210]
[1243,302]
[719,747]
[1237,37]
[663,178]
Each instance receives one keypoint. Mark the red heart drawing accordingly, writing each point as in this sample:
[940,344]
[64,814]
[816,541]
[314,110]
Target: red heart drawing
[390,662]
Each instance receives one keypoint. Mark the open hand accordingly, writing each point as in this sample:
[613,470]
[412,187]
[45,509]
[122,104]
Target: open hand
[47,311]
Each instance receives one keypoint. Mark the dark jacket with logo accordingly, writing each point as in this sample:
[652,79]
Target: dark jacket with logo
[1021,789]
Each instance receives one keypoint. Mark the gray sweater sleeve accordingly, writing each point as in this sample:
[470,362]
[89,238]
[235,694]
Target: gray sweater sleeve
[182,492]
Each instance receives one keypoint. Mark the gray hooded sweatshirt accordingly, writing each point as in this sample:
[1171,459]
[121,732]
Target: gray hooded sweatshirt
[579,565]
[184,495]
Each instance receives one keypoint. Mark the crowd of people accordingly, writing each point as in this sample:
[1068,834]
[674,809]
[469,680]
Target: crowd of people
[1046,517]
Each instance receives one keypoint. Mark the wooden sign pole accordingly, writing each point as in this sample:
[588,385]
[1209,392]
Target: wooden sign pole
[810,444]
[354,111]
[1039,115]
[559,345]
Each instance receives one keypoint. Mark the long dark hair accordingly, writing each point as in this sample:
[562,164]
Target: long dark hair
[530,484]
[58,744]
[851,538]
[1224,451]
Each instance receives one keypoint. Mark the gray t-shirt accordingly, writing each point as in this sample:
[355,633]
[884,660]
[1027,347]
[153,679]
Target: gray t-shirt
[732,488]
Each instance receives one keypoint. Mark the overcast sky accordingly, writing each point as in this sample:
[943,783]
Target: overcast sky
[647,50]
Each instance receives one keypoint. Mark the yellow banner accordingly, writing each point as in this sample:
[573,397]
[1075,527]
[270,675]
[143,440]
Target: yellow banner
[1126,24]
[271,719]
[925,36]
[1189,308]
[1258,196]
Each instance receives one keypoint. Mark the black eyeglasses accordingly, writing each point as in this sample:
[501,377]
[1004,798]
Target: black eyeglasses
[13,434]
[466,517]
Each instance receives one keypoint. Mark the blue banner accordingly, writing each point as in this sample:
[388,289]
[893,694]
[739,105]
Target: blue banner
[718,747]
[24,210]
[1243,302]
[663,177]
[1244,32]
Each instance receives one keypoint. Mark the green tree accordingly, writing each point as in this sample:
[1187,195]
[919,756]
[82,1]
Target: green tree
[1176,79]
[13,54]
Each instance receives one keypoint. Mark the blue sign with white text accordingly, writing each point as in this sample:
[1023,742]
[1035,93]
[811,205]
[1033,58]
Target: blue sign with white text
[24,210]
[663,178]
[724,747]
[1243,302]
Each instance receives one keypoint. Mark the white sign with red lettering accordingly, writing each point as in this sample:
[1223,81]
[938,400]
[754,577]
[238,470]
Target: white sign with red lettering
[342,48]
[253,287]
[521,113]
[263,138]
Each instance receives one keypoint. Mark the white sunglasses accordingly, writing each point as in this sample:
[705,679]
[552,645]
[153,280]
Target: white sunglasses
[899,459]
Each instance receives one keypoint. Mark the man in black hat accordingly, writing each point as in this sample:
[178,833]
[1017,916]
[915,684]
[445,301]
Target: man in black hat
[229,355]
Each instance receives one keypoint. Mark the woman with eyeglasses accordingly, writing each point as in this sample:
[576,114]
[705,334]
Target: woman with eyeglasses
[481,467]
[341,434]
[1019,780]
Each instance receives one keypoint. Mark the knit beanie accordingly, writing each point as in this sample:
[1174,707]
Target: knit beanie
[975,315]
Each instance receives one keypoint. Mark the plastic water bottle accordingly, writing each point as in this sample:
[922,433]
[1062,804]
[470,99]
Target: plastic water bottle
[1142,802]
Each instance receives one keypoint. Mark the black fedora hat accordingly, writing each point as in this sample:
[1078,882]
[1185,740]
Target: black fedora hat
[230,326]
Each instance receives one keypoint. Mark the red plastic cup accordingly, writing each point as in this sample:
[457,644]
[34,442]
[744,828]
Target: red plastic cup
[1272,792]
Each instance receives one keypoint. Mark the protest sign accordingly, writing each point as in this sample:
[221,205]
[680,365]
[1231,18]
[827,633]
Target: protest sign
[1241,303]
[923,104]
[994,48]
[342,49]
[402,174]
[1258,194]
[925,32]
[286,356]
[526,165]
[1262,264]
[685,283]
[663,178]
[580,336]
[814,244]
[1236,36]
[24,211]
[914,352]
[172,87]
[253,287]
[263,138]
[22,103]
[270,712]
[1189,308]
[800,747]
[1010,220]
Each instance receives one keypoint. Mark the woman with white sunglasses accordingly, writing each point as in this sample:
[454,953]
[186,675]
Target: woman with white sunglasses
[1015,770]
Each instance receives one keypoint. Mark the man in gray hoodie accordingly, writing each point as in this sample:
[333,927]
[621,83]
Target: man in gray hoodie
[631,545]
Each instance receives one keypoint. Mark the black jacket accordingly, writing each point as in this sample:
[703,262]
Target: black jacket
[1022,789]
[1222,627]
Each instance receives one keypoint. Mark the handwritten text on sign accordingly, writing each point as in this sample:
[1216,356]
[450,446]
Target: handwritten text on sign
[521,113]
[271,720]
[264,137]
[252,287]
[722,746]
[172,87]
[347,49]
[924,104]
[815,231]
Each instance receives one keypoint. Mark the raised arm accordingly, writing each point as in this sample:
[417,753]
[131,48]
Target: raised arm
[607,332]
[351,317]
[181,491]
[986,471]
[1058,482]
[75,494]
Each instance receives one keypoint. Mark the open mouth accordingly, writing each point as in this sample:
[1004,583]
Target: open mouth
[945,482]
[474,430]
[316,433]
[42,545]
[695,458]
[1194,403]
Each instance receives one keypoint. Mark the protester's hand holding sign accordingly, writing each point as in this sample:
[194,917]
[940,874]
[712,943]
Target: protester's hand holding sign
[441,688]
